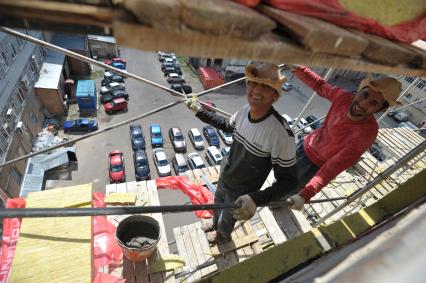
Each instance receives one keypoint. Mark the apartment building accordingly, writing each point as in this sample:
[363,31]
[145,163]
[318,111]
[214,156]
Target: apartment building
[417,96]
[21,113]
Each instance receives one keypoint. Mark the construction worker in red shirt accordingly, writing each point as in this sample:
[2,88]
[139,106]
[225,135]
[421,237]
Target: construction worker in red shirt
[349,129]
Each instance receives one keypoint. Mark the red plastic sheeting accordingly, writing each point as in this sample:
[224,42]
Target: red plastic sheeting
[106,251]
[210,78]
[198,194]
[10,237]
[332,11]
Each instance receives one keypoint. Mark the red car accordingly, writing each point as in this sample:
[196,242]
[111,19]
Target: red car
[116,169]
[116,104]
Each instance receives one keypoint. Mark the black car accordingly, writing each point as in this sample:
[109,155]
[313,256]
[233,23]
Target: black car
[113,95]
[310,119]
[170,65]
[140,161]
[377,152]
[113,78]
[181,87]
[137,138]
[169,70]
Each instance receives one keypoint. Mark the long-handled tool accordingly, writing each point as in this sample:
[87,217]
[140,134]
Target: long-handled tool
[120,210]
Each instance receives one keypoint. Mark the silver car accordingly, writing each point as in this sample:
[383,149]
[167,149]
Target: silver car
[177,139]
[226,137]
[161,162]
[196,138]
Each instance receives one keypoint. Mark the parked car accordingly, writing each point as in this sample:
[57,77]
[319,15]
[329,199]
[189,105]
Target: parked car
[288,119]
[113,95]
[195,161]
[392,113]
[315,123]
[161,162]
[175,79]
[211,136]
[163,56]
[287,86]
[377,152]
[156,135]
[177,139]
[173,65]
[171,70]
[112,78]
[179,163]
[140,160]
[213,156]
[118,65]
[226,137]
[400,117]
[303,124]
[108,73]
[116,168]
[110,87]
[116,60]
[136,137]
[196,138]
[208,106]
[225,150]
[80,125]
[117,104]
[182,88]
[169,60]
[407,124]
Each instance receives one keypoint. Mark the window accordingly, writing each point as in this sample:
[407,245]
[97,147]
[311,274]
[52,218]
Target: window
[16,175]
[20,94]
[421,84]
[6,129]
[409,79]
[21,42]
[12,50]
[409,95]
[3,63]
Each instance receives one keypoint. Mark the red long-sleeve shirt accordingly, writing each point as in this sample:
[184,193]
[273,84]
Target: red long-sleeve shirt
[339,142]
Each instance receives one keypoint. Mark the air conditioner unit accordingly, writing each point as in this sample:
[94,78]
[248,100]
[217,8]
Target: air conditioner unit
[9,112]
[25,82]
[20,126]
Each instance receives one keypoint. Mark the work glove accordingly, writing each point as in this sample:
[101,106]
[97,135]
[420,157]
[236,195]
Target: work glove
[297,202]
[193,104]
[247,210]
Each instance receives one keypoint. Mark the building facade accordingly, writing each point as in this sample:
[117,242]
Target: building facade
[417,96]
[21,113]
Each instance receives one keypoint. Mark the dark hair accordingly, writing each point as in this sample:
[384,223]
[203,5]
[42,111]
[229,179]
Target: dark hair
[385,106]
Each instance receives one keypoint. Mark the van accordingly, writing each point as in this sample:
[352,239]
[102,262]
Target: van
[179,163]
[400,117]
[213,156]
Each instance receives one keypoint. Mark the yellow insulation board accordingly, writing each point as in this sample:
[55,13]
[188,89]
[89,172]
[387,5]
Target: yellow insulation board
[55,249]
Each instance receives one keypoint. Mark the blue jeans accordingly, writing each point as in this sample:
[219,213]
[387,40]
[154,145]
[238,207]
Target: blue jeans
[304,166]
[223,222]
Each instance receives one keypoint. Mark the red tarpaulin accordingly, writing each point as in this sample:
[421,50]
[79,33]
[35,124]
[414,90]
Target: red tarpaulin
[210,78]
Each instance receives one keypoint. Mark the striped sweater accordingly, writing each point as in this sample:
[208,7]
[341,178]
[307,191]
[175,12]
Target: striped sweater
[259,146]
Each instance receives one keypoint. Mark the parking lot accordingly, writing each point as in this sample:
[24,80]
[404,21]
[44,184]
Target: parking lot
[92,153]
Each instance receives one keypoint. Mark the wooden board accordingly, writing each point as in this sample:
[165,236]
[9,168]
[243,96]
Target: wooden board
[226,18]
[317,35]
[233,245]
[55,249]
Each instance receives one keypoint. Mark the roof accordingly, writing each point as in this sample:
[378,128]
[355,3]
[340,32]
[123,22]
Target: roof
[39,164]
[49,76]
[85,88]
[109,39]
[70,41]
[54,57]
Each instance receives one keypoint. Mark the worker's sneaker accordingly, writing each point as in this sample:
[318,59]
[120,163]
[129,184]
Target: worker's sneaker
[207,226]
[215,238]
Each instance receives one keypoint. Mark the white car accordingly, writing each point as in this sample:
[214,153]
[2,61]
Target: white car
[112,86]
[175,75]
[196,138]
[226,137]
[195,161]
[288,119]
[225,150]
[302,124]
[213,156]
[161,162]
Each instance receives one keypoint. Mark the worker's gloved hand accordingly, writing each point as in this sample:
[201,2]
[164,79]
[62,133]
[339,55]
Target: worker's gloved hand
[297,202]
[247,210]
[193,104]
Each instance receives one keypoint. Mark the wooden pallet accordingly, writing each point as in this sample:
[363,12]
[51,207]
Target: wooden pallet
[146,194]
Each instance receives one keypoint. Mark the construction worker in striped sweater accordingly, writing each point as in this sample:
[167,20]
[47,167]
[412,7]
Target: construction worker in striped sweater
[262,141]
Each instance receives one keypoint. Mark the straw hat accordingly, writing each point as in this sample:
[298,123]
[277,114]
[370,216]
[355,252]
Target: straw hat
[267,74]
[389,87]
